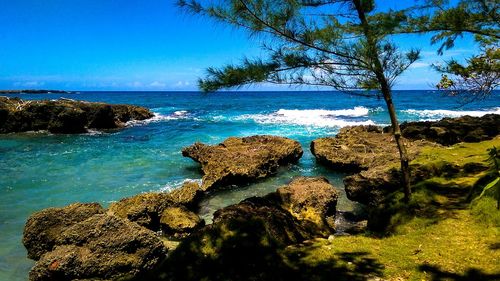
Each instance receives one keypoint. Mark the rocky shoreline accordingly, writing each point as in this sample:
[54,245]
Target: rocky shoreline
[160,235]
[65,116]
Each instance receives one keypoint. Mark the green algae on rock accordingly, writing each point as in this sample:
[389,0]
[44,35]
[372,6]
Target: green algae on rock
[240,160]
[146,208]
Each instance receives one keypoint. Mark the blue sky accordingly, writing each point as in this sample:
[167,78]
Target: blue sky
[139,45]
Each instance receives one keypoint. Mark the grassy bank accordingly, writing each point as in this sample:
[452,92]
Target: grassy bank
[445,233]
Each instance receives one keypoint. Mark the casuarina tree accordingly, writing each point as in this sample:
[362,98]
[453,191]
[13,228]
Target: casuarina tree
[343,44]
[476,77]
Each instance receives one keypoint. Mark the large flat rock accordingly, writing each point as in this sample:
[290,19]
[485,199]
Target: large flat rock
[241,160]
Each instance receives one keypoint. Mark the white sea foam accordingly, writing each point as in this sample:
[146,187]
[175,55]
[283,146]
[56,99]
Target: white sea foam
[312,117]
[158,117]
[357,111]
[177,184]
[428,114]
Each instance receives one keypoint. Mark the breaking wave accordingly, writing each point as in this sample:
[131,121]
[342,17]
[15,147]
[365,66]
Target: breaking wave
[428,114]
[313,117]
[158,117]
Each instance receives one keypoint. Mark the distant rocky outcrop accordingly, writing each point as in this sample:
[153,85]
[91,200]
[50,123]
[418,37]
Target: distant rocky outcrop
[369,156]
[64,115]
[448,131]
[240,160]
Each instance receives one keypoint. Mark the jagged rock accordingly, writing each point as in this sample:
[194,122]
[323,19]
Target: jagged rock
[448,131]
[266,217]
[370,155]
[143,209]
[65,116]
[189,195]
[240,160]
[102,247]
[179,221]
[312,201]
[44,227]
[146,209]
[355,149]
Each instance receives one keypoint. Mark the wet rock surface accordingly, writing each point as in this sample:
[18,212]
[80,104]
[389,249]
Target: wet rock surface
[448,131]
[65,116]
[241,160]
[102,247]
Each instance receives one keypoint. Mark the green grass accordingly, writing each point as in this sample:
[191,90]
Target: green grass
[439,235]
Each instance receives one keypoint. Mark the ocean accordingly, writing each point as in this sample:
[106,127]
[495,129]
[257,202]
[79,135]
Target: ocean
[40,170]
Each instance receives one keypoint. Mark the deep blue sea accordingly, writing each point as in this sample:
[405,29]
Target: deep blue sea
[40,170]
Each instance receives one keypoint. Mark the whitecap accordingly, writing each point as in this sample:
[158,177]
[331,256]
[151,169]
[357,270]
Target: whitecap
[312,117]
[158,117]
[357,111]
[428,114]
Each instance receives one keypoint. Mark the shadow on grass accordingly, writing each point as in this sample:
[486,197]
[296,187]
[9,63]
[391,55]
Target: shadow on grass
[472,274]
[249,250]
[432,200]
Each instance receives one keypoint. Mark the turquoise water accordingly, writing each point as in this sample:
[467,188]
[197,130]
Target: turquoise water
[39,170]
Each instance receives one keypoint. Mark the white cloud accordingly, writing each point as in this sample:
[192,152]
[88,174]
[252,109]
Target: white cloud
[182,84]
[29,84]
[157,84]
[419,64]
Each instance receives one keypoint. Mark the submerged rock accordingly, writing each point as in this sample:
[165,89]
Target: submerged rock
[65,116]
[240,160]
[43,228]
[102,247]
[448,131]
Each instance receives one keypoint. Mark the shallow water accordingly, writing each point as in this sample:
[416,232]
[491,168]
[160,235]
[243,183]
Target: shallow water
[40,170]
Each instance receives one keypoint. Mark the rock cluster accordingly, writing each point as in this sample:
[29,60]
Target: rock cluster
[240,160]
[244,239]
[87,242]
[448,131]
[65,116]
[370,156]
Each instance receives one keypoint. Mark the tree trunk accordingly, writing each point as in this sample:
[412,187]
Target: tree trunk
[403,154]
[378,70]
